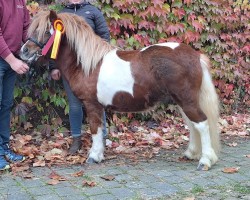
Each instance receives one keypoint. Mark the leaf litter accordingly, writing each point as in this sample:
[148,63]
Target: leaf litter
[132,140]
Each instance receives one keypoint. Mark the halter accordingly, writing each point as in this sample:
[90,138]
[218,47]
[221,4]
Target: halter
[38,53]
[37,43]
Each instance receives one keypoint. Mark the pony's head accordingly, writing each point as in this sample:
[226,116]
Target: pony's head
[39,33]
[79,40]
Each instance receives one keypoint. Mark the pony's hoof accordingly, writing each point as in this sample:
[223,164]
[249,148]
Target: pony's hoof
[90,161]
[186,158]
[202,167]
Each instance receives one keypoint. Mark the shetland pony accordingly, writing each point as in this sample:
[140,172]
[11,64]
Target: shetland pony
[105,77]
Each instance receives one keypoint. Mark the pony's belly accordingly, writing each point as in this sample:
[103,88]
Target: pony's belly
[125,102]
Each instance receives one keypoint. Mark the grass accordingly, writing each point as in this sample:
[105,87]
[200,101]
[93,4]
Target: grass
[197,189]
[242,189]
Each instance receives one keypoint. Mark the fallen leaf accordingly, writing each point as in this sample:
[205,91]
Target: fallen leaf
[16,168]
[39,163]
[53,182]
[230,170]
[56,151]
[27,175]
[89,183]
[55,176]
[108,177]
[77,174]
[234,144]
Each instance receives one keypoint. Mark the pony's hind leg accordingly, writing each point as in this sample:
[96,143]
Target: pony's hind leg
[200,123]
[209,156]
[193,151]
[95,114]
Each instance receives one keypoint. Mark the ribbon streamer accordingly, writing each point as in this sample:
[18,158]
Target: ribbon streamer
[59,29]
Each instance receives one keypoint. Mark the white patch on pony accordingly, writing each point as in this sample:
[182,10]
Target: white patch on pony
[21,50]
[171,45]
[208,155]
[115,76]
[22,55]
[97,149]
[51,30]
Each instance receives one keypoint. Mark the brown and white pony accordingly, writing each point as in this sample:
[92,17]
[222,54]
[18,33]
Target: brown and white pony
[103,76]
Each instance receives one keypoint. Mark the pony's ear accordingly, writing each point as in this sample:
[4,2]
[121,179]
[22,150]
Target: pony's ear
[52,16]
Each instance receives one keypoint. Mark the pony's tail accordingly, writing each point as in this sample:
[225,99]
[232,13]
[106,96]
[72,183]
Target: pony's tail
[209,103]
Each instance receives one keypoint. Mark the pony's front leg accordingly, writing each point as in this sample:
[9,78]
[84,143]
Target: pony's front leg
[96,127]
[97,149]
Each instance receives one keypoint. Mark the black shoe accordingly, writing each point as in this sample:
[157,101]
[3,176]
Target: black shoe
[76,145]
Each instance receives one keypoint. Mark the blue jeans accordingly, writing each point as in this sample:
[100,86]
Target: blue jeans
[7,84]
[76,113]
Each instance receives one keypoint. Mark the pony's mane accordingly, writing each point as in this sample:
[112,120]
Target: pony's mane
[89,47]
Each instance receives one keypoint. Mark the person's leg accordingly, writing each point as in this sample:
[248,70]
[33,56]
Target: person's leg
[3,163]
[75,118]
[105,134]
[7,84]
[75,111]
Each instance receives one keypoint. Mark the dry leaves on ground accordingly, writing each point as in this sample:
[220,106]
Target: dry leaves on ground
[132,140]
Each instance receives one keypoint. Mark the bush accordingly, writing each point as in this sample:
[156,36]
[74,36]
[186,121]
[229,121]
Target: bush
[218,28]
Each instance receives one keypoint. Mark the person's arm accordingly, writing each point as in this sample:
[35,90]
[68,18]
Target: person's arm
[26,23]
[17,65]
[101,27]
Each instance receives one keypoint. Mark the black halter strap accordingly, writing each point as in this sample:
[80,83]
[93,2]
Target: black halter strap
[36,42]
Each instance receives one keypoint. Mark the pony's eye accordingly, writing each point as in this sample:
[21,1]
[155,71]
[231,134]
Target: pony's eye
[47,32]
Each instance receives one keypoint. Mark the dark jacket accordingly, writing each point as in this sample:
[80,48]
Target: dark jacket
[92,15]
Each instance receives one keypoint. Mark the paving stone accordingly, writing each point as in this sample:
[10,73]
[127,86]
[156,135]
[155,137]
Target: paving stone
[157,179]
[31,182]
[123,193]
[104,197]
[146,194]
[94,191]
[148,178]
[19,196]
[34,191]
[48,197]
[164,188]
[75,197]
[110,184]
[124,177]
[136,185]
[185,186]
[238,177]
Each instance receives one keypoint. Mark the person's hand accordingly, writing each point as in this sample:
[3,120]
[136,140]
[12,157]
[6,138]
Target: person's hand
[17,65]
[55,74]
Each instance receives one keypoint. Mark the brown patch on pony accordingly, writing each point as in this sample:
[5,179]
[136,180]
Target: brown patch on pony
[167,66]
[89,47]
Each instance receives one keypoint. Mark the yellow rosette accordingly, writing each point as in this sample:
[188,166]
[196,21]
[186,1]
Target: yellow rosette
[59,28]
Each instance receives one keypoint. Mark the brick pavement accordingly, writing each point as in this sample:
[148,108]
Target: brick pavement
[159,178]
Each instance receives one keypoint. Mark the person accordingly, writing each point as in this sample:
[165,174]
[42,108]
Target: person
[14,22]
[94,17]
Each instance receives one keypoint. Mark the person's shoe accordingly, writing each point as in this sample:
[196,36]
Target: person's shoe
[11,156]
[76,145]
[3,163]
